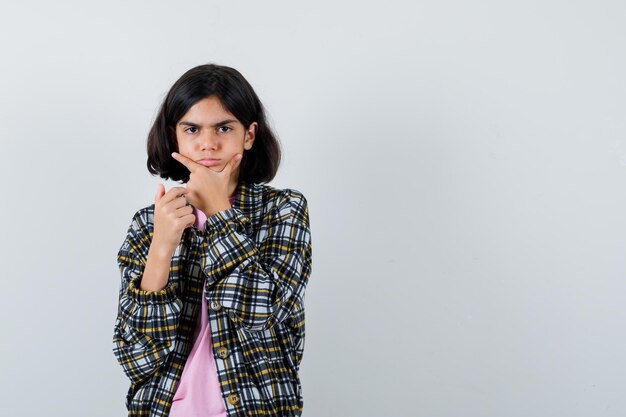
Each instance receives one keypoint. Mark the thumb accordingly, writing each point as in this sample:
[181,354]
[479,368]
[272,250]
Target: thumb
[160,192]
[235,160]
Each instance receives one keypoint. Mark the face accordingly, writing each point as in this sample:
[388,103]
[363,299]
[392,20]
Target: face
[211,136]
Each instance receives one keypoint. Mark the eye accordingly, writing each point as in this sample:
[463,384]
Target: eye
[225,127]
[189,129]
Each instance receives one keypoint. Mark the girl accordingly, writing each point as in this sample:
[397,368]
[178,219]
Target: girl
[210,319]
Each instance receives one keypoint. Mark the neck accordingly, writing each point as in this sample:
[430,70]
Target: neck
[232,187]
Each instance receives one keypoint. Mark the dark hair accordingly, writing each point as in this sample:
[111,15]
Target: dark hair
[259,163]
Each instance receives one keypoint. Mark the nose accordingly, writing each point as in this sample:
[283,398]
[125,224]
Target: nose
[209,141]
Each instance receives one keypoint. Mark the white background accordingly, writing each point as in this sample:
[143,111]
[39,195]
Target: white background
[464,163]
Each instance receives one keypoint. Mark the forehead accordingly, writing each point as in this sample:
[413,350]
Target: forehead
[207,110]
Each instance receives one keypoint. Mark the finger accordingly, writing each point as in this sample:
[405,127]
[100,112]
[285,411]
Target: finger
[178,202]
[184,211]
[189,219]
[160,192]
[191,165]
[175,193]
[234,162]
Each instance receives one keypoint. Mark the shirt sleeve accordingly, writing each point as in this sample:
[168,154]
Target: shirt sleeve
[147,321]
[259,284]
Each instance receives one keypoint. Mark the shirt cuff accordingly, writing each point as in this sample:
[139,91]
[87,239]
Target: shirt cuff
[232,217]
[165,295]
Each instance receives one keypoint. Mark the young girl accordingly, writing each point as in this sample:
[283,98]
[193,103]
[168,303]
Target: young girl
[211,303]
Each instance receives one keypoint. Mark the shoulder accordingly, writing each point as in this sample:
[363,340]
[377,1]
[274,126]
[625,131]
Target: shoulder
[138,234]
[281,197]
[143,220]
[284,203]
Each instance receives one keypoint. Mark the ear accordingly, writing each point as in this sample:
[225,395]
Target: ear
[250,136]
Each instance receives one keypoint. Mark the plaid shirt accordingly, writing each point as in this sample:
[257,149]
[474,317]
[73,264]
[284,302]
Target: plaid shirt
[256,258]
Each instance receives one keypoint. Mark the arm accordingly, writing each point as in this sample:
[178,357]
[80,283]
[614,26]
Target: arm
[147,321]
[259,285]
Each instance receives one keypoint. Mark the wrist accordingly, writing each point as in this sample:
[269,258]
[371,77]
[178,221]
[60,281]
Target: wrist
[159,250]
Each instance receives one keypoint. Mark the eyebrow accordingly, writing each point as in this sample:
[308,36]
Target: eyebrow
[218,124]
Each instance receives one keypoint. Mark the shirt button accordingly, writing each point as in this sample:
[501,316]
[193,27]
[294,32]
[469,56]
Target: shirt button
[222,352]
[233,399]
[215,305]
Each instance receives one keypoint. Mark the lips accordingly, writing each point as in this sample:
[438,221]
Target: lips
[209,162]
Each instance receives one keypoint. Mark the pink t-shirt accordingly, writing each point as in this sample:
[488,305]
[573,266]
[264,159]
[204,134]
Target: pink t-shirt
[199,393]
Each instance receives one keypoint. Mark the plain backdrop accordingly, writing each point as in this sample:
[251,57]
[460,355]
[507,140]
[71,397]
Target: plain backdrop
[464,164]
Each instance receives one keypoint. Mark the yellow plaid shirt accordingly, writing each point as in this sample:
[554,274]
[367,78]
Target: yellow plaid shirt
[256,258]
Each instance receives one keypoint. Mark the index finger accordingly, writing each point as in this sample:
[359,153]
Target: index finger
[173,193]
[189,163]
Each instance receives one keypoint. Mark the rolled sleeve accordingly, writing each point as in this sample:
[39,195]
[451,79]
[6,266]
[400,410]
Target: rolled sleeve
[147,321]
[164,296]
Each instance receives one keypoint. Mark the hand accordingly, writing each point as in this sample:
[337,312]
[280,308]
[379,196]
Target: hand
[209,190]
[171,217]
